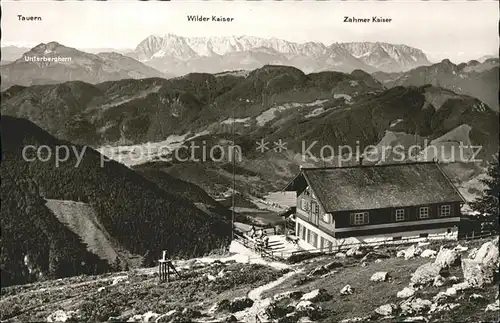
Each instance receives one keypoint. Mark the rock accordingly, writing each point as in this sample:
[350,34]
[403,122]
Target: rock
[231,319]
[378,260]
[426,274]
[317,295]
[240,303]
[419,319]
[340,255]
[441,298]
[304,306]
[451,292]
[435,308]
[352,252]
[473,253]
[321,270]
[428,253]
[477,298]
[476,273]
[453,279]
[400,254]
[488,255]
[461,286]
[415,306]
[333,265]
[460,248]
[221,274]
[146,317]
[380,276]
[495,306]
[363,264]
[386,310]
[61,316]
[211,277]
[411,252]
[289,294]
[407,292]
[355,319]
[447,258]
[372,255]
[439,281]
[346,290]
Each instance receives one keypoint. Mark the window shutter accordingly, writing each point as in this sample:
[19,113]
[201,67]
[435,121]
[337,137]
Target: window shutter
[351,218]
[366,218]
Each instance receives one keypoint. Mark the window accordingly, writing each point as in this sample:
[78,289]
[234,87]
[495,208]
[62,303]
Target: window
[445,210]
[400,215]
[396,238]
[304,205]
[326,218]
[359,218]
[315,208]
[424,235]
[423,212]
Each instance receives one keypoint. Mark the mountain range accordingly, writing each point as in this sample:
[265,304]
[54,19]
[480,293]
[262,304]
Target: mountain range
[181,55]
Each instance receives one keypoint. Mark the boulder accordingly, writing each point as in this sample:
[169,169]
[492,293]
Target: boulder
[415,306]
[352,251]
[61,316]
[426,274]
[476,274]
[460,248]
[412,251]
[439,281]
[495,306]
[436,308]
[236,305]
[428,253]
[317,295]
[289,294]
[473,253]
[447,258]
[451,292]
[476,298]
[461,286]
[441,298]
[386,310]
[415,319]
[380,276]
[400,254]
[488,255]
[340,255]
[407,292]
[346,290]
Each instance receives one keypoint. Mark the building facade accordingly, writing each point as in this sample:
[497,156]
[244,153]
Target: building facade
[337,206]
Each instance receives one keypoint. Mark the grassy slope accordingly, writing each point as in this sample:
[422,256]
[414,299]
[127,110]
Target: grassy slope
[142,292]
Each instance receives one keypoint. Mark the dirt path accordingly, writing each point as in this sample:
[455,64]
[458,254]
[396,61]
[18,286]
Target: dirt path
[259,305]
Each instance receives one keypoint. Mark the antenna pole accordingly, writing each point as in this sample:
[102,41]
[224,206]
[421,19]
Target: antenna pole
[234,176]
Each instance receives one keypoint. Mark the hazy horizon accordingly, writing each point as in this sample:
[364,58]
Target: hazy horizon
[469,30]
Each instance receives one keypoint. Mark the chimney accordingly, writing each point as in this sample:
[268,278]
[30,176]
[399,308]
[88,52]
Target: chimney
[361,161]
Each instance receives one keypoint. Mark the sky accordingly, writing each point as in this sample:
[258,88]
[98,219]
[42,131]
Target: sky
[458,30]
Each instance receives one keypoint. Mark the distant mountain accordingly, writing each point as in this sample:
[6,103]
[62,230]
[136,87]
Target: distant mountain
[138,214]
[35,67]
[474,78]
[182,55]
[482,59]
